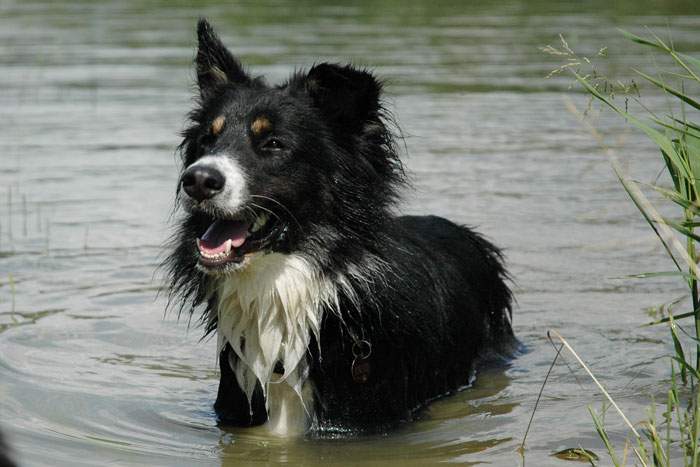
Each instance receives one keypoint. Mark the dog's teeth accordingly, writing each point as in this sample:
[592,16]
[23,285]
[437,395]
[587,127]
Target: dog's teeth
[215,256]
[259,222]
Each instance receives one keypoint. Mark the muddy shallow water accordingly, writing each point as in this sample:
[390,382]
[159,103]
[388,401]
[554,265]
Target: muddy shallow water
[93,97]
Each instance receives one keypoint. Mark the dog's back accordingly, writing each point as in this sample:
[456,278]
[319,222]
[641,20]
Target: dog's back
[441,306]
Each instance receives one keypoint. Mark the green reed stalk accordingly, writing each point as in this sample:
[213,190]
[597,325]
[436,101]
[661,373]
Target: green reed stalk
[678,140]
[689,217]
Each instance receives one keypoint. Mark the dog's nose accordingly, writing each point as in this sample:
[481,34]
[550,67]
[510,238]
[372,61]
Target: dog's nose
[202,183]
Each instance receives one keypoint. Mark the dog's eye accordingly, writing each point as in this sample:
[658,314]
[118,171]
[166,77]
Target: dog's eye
[207,139]
[273,144]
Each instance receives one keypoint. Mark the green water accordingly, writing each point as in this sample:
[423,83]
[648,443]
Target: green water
[92,97]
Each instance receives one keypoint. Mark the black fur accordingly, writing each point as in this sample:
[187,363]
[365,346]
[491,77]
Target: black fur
[432,301]
[4,455]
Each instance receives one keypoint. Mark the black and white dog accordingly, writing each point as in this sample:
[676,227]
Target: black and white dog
[331,312]
[4,456]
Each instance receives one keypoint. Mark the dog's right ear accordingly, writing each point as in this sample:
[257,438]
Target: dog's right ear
[215,64]
[348,96]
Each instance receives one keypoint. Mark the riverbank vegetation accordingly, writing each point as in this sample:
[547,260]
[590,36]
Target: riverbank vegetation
[670,437]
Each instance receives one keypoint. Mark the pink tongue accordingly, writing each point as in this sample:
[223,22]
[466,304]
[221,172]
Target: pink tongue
[214,239]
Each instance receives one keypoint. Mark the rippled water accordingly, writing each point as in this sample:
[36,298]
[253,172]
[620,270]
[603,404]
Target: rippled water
[93,95]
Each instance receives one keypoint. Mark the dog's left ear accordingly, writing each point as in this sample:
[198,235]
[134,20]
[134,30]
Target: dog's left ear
[347,96]
[216,66]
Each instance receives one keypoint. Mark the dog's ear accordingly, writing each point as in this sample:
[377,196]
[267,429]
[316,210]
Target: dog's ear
[215,64]
[347,96]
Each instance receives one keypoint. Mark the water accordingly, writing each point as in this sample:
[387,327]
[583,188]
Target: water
[93,97]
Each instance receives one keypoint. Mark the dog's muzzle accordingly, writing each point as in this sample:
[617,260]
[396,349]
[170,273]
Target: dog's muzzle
[202,182]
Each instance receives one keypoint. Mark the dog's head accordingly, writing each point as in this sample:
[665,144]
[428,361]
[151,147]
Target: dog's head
[305,165]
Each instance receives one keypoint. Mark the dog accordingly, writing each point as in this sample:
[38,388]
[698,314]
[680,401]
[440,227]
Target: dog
[5,460]
[332,313]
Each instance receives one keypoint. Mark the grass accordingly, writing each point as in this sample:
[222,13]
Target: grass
[669,438]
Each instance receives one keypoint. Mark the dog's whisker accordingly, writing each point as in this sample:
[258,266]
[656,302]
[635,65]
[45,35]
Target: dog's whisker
[251,211]
[255,205]
[282,206]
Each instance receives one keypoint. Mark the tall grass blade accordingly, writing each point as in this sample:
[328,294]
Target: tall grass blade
[687,99]
[521,448]
[600,428]
[687,123]
[650,215]
[663,232]
[601,387]
[595,380]
[681,59]
[682,229]
[639,39]
[685,366]
[686,129]
[678,347]
[696,428]
[646,275]
[674,196]
[690,314]
[660,139]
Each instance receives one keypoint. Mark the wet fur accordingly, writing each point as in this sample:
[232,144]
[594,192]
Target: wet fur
[427,294]
[4,454]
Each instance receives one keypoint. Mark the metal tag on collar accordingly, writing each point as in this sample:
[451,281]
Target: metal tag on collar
[361,368]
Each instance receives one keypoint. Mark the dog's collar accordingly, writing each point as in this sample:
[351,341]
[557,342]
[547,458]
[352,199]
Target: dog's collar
[361,368]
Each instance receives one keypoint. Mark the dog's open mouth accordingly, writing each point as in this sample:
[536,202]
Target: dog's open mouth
[228,241]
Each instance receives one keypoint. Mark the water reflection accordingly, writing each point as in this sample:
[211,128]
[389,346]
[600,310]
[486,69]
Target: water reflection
[445,432]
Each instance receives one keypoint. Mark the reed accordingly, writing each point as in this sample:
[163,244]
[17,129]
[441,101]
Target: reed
[671,439]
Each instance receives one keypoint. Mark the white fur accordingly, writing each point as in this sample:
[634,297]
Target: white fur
[235,192]
[274,305]
[288,414]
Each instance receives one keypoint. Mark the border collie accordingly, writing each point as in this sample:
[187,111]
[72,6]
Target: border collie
[332,313]
[4,457]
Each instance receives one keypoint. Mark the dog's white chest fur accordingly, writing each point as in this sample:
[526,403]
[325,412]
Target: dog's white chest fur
[267,312]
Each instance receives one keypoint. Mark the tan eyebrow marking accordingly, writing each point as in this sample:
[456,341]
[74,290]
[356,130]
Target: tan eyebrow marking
[217,125]
[260,125]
